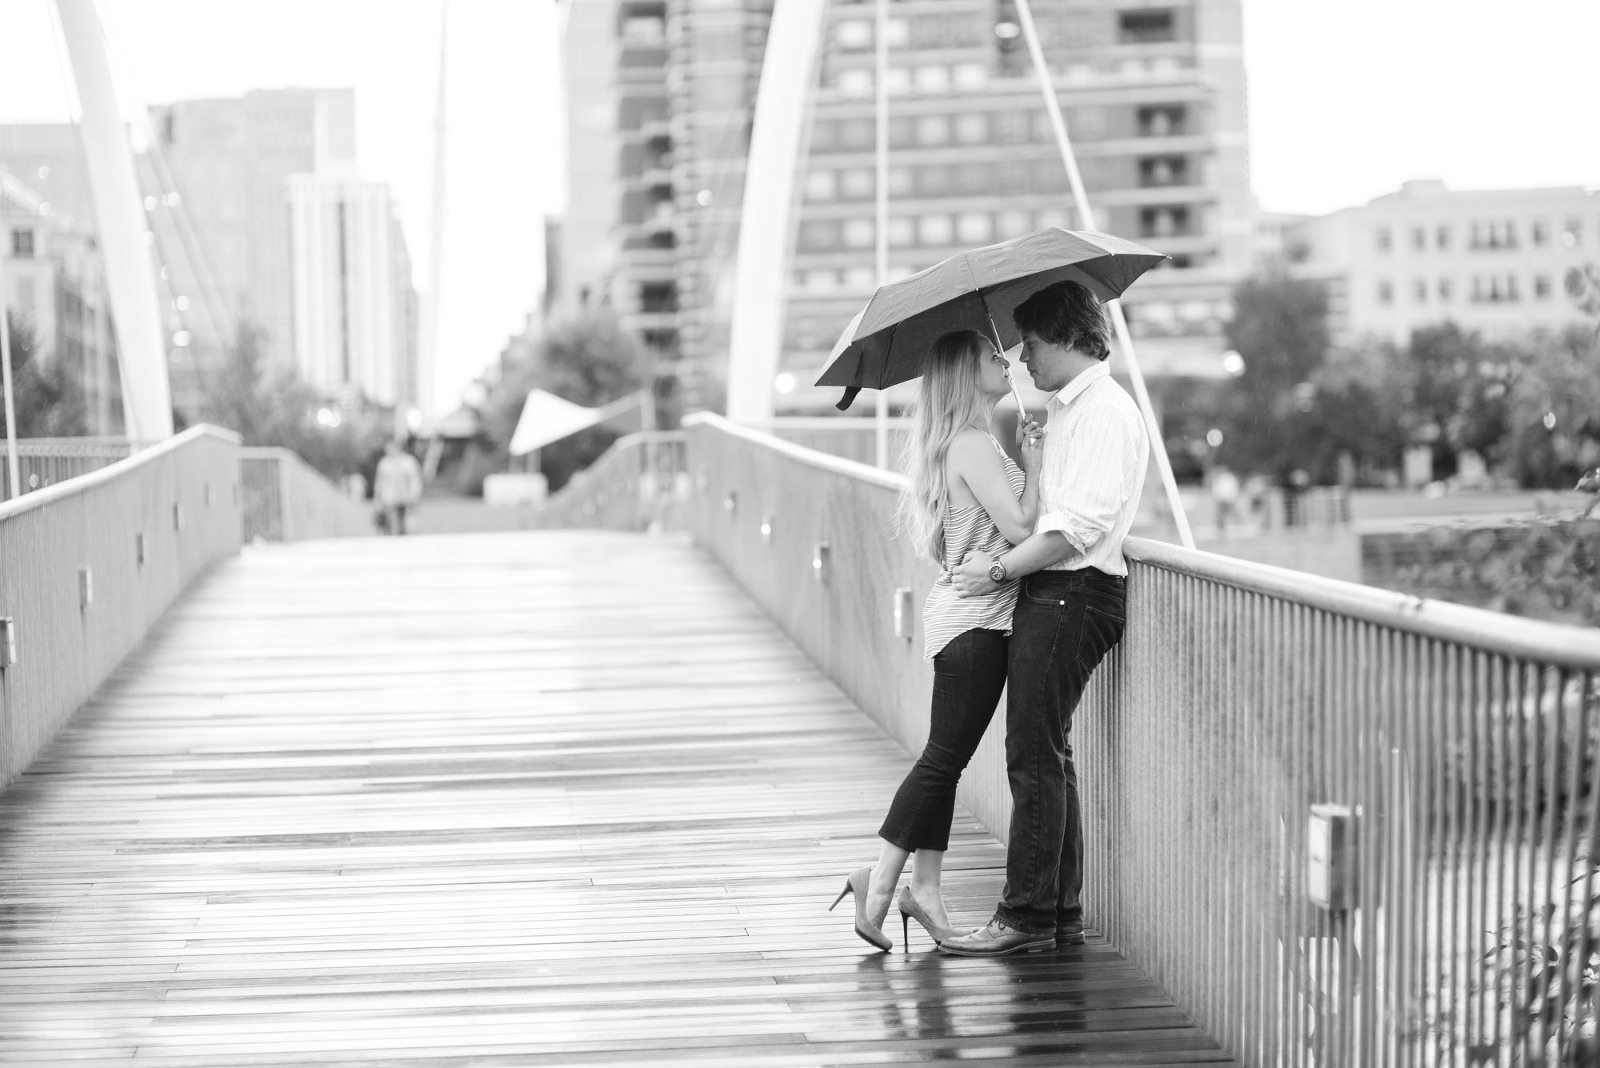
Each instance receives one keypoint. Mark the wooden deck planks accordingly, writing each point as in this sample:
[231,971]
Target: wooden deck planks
[552,798]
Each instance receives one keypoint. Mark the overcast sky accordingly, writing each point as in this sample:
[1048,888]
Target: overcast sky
[1347,100]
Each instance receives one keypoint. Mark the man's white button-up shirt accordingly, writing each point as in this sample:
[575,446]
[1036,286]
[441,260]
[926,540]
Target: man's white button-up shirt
[1095,455]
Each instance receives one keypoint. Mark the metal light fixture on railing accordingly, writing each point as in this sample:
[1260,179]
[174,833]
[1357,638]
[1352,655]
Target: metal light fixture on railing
[766,528]
[8,641]
[85,587]
[820,558]
[902,612]
[730,503]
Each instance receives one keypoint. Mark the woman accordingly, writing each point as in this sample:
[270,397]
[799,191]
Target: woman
[965,494]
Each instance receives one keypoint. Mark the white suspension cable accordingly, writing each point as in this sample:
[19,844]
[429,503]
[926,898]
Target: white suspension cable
[1118,319]
[880,424]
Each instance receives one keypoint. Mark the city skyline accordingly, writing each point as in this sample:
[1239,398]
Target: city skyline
[1409,102]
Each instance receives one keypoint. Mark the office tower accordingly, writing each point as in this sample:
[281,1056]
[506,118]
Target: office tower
[231,160]
[1490,260]
[354,306]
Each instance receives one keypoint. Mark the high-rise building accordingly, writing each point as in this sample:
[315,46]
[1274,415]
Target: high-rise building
[231,160]
[354,305]
[1153,95]
[1489,260]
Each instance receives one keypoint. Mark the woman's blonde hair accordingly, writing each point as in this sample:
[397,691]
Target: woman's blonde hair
[950,400]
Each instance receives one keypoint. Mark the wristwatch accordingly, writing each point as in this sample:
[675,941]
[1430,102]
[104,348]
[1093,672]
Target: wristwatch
[997,571]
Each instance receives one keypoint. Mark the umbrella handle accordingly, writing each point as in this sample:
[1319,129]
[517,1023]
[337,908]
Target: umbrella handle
[994,334]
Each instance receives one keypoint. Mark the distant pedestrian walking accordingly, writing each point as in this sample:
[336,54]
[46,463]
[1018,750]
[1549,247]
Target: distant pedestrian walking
[397,486]
[1225,495]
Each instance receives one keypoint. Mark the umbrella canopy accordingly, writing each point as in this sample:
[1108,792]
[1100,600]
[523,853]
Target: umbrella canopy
[885,344]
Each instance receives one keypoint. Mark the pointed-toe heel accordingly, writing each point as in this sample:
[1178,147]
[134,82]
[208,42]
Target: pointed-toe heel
[911,909]
[856,883]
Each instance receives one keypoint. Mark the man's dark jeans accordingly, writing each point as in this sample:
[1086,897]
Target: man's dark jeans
[1065,623]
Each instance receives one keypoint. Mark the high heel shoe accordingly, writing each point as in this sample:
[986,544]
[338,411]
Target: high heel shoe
[857,884]
[911,909]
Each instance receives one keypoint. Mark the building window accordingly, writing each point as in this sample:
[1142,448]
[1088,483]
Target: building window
[1385,240]
[1164,222]
[859,233]
[1419,239]
[1088,123]
[1572,233]
[1444,290]
[1012,127]
[22,244]
[971,75]
[1165,120]
[858,133]
[1420,289]
[821,185]
[853,34]
[1539,230]
[933,130]
[902,231]
[1385,293]
[1441,238]
[901,181]
[972,129]
[932,79]
[857,183]
[934,229]
[856,81]
[973,179]
[974,228]
[818,235]
[1146,26]
[1015,223]
[933,180]
[1541,286]
[1163,170]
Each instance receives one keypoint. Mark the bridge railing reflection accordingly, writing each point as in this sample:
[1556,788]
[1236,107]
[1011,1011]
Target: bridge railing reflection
[1340,825]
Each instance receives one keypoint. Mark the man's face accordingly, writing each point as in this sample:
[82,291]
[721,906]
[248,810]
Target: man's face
[1050,365]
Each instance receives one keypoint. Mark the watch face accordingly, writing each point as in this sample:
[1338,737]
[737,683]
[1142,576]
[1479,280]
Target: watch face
[997,572]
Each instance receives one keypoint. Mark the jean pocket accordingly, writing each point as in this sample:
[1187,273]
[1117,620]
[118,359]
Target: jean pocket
[1101,631]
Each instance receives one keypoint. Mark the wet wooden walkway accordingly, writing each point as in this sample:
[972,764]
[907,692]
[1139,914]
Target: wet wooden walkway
[556,798]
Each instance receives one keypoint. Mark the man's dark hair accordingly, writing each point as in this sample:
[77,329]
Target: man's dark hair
[1065,314]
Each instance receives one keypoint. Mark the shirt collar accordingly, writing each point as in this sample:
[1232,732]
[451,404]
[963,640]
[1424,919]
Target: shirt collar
[1085,379]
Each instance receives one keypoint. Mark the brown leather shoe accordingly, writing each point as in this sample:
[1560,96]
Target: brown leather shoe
[997,939]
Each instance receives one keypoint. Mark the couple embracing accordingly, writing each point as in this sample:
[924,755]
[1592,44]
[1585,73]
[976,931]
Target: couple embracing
[1030,600]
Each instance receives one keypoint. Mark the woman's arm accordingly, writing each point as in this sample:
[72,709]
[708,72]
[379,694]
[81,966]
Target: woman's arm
[974,464]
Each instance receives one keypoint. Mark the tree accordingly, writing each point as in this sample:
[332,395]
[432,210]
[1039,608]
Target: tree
[274,406]
[1280,328]
[49,401]
[1457,389]
[1553,416]
[587,359]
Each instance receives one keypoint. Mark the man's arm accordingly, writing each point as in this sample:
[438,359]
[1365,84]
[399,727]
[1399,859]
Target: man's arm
[971,578]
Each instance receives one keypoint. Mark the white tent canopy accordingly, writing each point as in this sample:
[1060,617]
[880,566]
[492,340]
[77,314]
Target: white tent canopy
[546,418]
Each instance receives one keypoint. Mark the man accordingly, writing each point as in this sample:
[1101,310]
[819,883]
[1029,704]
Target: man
[1069,611]
[397,485]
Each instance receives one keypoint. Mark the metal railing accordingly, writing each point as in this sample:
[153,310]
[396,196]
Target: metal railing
[637,484]
[286,499]
[87,565]
[44,462]
[1343,827]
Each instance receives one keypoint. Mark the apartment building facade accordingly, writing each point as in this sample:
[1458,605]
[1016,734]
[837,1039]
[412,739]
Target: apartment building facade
[1495,261]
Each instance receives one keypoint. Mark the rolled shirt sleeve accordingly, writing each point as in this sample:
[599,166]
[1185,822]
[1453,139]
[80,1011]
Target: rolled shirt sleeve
[1099,471]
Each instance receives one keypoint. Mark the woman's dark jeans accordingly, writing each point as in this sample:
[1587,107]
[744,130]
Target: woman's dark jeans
[968,675]
[1065,623]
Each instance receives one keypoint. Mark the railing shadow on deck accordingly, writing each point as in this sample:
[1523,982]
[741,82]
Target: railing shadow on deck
[1342,826]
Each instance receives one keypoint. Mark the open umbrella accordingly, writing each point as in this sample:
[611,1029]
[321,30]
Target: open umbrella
[975,290]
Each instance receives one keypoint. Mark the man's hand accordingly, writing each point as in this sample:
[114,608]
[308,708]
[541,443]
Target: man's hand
[971,576]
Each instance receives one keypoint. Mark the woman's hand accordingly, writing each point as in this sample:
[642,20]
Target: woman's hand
[1032,446]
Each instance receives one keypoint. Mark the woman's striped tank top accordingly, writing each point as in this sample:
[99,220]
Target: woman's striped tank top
[946,615]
